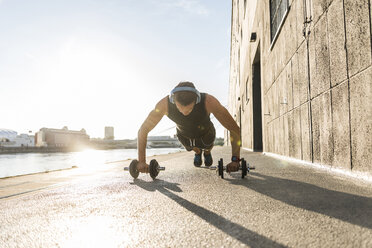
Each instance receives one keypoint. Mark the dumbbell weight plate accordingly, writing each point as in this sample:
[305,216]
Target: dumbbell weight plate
[244,168]
[154,168]
[220,168]
[133,169]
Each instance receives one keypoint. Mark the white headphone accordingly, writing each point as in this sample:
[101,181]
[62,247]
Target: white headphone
[185,88]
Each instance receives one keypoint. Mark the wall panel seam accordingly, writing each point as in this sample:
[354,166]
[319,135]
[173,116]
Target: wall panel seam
[348,86]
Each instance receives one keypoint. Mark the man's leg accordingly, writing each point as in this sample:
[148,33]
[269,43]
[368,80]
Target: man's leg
[208,160]
[208,151]
[187,144]
[184,141]
[197,159]
[197,150]
[208,143]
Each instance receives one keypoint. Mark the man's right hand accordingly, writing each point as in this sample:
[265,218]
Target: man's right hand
[143,167]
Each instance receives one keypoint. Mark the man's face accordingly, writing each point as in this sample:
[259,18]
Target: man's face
[185,110]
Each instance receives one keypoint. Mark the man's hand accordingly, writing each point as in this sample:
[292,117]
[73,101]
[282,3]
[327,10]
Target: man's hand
[231,167]
[143,167]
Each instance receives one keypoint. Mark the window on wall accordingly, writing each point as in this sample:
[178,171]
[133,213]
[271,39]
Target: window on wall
[278,12]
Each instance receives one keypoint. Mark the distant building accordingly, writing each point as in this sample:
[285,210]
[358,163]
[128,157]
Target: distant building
[9,138]
[25,140]
[162,142]
[61,137]
[7,134]
[109,133]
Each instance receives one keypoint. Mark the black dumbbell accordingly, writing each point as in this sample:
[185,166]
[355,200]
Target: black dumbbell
[244,167]
[154,168]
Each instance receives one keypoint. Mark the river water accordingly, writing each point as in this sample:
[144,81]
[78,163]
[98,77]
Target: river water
[28,163]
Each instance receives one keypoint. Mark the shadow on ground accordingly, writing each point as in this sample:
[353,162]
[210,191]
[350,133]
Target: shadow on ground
[234,230]
[347,207]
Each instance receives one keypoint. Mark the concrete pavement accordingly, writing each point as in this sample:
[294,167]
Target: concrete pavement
[280,204]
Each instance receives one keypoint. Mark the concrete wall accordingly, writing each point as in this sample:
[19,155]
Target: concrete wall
[316,80]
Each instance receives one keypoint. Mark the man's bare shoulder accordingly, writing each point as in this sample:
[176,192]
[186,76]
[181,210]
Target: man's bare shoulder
[162,106]
[211,103]
[210,98]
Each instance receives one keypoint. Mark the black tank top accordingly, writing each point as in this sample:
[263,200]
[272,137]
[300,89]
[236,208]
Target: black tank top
[194,125]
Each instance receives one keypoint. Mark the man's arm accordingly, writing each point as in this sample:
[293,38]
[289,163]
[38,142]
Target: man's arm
[223,116]
[151,121]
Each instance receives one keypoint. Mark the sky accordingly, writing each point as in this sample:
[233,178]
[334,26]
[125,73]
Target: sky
[95,63]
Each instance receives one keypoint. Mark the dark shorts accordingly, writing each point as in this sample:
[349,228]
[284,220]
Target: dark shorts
[204,142]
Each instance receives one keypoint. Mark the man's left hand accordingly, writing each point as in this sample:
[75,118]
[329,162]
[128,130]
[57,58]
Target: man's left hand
[232,166]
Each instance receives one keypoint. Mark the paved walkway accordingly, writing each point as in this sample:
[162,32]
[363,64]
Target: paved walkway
[280,204]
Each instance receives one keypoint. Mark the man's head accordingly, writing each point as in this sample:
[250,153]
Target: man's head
[186,99]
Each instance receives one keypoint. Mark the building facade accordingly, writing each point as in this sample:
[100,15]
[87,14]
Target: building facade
[50,137]
[10,138]
[7,134]
[301,79]
[109,133]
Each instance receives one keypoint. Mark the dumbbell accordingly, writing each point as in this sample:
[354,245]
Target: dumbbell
[154,168]
[244,167]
